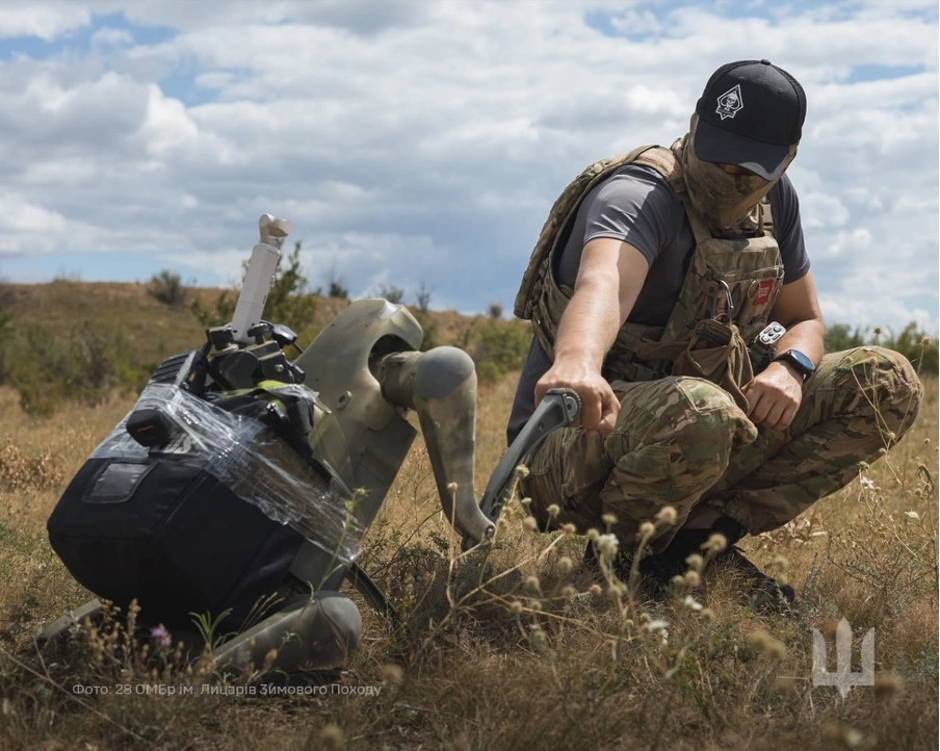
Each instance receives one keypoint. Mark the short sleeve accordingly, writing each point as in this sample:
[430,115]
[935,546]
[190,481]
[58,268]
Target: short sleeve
[788,230]
[635,206]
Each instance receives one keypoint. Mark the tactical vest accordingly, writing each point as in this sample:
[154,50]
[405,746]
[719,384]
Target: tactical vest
[725,300]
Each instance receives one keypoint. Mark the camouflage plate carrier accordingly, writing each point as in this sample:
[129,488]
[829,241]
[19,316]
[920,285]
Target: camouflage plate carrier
[726,297]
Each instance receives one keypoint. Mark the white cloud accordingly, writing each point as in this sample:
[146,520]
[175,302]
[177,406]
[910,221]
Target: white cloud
[43,20]
[110,37]
[819,210]
[855,241]
[28,228]
[19,216]
[420,142]
[167,125]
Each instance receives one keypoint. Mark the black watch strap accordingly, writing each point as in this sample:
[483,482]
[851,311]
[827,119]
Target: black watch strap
[798,361]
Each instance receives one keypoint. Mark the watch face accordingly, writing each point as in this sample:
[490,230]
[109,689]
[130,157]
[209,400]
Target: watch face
[800,361]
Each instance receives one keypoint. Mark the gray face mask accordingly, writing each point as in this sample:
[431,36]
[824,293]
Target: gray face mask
[722,200]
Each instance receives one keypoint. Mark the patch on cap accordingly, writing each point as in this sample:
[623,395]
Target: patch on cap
[730,103]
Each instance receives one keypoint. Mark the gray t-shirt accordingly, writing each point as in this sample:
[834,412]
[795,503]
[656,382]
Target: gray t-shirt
[636,205]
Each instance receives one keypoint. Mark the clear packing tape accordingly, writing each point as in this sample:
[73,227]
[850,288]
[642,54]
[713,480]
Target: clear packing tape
[252,461]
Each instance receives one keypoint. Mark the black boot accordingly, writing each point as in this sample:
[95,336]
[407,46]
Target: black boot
[656,569]
[659,569]
[762,590]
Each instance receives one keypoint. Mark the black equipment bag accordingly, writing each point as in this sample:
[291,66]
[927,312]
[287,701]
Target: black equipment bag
[168,533]
[152,523]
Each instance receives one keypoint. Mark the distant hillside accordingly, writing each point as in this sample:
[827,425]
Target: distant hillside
[150,323]
[79,340]
[73,339]
[153,330]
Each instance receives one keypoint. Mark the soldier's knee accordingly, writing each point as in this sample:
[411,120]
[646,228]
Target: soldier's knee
[703,396]
[691,422]
[887,382]
[901,388]
[713,424]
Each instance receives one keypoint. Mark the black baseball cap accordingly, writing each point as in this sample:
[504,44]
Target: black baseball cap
[750,114]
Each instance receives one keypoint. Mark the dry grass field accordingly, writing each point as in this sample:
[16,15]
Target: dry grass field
[520,651]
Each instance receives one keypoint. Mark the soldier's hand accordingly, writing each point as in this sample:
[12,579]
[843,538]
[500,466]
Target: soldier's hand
[599,404]
[774,396]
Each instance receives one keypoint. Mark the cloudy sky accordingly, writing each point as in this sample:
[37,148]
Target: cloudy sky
[420,143]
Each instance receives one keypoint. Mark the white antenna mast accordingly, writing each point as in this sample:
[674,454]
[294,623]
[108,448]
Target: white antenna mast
[260,275]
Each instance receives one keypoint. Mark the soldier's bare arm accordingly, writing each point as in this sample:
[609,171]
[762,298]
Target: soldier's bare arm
[609,280]
[776,393]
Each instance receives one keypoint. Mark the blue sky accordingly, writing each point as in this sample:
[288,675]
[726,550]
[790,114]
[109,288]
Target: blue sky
[419,144]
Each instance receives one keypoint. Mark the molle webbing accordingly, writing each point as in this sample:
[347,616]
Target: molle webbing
[565,209]
[725,300]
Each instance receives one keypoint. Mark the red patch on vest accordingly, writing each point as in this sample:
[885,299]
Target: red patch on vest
[763,292]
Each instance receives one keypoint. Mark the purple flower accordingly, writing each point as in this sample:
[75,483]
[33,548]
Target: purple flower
[161,635]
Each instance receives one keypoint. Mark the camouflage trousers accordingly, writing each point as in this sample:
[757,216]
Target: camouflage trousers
[682,442]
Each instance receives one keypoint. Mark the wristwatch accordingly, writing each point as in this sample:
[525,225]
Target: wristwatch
[798,361]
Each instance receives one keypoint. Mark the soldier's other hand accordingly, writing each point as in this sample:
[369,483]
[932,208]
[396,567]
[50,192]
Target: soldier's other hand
[774,396]
[599,404]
